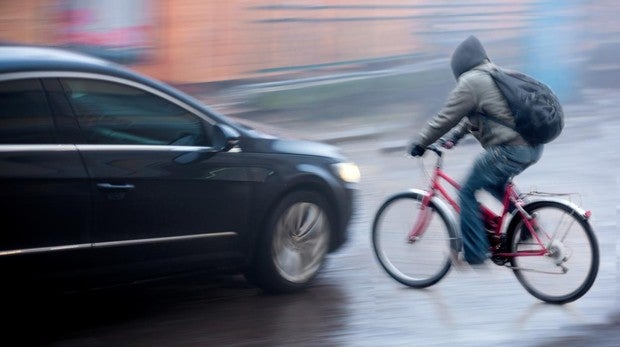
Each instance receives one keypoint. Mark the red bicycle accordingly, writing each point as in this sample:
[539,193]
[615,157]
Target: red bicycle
[547,242]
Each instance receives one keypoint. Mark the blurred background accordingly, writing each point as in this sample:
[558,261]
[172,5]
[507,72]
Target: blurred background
[207,46]
[194,41]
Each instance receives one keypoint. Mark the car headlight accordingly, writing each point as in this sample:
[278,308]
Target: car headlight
[347,172]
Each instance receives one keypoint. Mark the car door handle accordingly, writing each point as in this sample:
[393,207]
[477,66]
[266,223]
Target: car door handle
[108,186]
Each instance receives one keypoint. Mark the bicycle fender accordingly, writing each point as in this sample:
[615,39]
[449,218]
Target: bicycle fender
[583,213]
[456,242]
[578,210]
[515,217]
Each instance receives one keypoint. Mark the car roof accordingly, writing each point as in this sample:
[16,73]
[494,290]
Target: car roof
[42,58]
[34,58]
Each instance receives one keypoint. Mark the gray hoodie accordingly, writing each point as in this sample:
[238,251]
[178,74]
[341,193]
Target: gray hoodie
[474,104]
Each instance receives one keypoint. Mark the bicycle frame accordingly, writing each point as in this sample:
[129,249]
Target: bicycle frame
[492,221]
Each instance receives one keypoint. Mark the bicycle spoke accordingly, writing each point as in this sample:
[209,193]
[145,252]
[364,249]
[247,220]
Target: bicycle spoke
[555,230]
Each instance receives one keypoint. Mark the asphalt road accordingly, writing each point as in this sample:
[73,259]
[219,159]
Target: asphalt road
[353,303]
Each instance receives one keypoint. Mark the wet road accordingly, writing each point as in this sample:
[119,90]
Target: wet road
[353,303]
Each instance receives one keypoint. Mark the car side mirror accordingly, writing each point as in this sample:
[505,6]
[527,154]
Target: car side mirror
[224,137]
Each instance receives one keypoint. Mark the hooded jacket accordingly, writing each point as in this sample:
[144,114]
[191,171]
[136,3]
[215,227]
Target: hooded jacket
[475,105]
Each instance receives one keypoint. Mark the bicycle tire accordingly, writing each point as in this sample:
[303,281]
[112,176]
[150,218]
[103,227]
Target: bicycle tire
[419,264]
[570,239]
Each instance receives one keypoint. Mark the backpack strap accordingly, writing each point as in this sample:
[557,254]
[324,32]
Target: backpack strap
[490,117]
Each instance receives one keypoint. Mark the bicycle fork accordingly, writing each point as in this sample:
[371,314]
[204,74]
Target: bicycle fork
[422,222]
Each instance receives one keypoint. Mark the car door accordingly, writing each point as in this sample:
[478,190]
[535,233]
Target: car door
[159,192]
[45,205]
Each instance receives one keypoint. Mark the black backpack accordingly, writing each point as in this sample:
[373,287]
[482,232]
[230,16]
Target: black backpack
[537,111]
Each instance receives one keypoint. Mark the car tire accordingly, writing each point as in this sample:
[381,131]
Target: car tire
[293,244]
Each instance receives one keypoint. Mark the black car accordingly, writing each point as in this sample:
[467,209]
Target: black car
[105,173]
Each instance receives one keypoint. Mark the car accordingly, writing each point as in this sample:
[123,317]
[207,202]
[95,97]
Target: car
[109,175]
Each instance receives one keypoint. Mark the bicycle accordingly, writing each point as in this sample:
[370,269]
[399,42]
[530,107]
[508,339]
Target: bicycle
[547,242]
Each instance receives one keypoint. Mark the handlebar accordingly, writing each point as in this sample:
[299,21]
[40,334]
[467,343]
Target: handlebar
[435,148]
[438,147]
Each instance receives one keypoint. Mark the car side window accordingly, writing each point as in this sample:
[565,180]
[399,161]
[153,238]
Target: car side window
[113,113]
[25,116]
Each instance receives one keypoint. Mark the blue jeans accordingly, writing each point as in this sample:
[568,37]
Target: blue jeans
[490,172]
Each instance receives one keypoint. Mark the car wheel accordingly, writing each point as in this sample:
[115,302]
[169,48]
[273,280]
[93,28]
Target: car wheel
[294,243]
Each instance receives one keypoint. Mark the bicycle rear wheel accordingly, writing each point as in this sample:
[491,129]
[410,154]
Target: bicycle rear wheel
[570,266]
[416,264]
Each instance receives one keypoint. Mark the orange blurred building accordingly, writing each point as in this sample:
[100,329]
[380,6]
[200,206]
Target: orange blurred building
[194,41]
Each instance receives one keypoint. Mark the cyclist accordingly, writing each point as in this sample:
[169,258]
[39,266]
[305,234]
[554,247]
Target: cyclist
[477,106]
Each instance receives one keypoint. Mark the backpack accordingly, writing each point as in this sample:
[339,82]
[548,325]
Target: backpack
[537,111]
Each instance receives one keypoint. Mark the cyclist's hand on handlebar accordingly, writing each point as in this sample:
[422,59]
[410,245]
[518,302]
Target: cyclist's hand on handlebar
[416,150]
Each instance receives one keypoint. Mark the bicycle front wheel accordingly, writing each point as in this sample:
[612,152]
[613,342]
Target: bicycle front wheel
[417,264]
[569,267]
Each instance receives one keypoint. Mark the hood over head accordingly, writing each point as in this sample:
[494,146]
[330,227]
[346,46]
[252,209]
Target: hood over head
[467,55]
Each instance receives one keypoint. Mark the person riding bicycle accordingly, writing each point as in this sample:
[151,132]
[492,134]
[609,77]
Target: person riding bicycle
[477,106]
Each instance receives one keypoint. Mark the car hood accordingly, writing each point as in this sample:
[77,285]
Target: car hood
[303,147]
[290,146]
[262,138]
